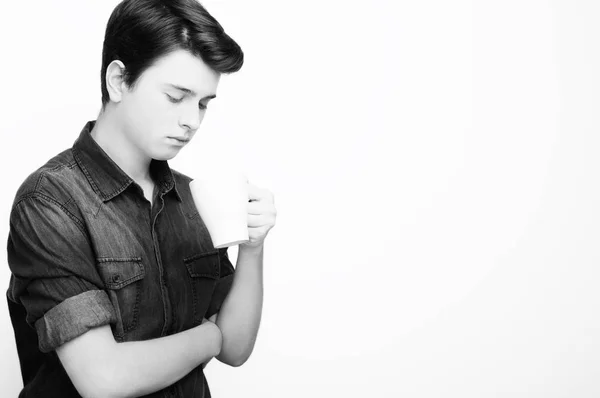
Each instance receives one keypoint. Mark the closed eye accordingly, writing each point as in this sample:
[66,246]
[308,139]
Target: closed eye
[174,100]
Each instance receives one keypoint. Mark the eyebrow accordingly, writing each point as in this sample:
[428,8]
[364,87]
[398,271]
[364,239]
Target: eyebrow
[190,92]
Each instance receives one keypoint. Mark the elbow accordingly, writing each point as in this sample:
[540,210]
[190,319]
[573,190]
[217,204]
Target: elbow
[237,362]
[234,359]
[236,347]
[233,362]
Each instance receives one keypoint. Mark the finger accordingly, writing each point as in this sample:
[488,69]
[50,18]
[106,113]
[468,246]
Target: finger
[254,192]
[256,232]
[258,208]
[255,221]
[262,216]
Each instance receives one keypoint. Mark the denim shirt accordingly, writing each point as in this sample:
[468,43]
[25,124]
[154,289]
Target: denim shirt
[87,249]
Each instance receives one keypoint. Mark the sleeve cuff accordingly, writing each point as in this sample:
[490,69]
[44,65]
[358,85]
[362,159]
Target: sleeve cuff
[73,317]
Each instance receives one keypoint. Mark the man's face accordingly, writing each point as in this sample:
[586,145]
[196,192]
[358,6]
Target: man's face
[162,112]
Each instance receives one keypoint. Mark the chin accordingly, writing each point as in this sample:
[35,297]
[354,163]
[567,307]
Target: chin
[165,155]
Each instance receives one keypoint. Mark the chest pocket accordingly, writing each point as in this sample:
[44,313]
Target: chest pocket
[122,279]
[203,270]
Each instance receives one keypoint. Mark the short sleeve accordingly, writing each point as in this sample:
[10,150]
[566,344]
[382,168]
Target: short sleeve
[54,273]
[223,284]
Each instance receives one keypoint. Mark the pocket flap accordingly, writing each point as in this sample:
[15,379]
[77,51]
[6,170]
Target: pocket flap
[203,265]
[117,273]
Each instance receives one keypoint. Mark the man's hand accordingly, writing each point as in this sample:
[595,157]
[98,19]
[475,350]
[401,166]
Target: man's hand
[261,216]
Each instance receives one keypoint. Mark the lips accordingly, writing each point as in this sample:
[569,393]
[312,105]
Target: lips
[183,140]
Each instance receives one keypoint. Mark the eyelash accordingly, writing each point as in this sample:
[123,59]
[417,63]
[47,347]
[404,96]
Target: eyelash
[174,100]
[178,100]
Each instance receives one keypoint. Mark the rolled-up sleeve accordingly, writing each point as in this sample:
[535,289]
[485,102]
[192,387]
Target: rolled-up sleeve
[54,272]
[223,284]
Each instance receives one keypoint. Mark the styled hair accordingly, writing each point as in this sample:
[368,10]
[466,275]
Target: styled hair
[139,32]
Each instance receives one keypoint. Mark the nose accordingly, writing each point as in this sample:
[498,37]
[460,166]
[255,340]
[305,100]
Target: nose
[191,119]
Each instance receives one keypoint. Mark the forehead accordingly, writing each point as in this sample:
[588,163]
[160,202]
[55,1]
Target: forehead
[183,69]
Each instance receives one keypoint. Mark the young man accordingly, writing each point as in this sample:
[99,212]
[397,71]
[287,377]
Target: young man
[113,271]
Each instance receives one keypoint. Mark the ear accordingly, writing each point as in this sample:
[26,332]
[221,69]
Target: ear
[114,80]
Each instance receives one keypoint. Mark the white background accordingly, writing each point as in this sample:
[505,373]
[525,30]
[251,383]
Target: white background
[435,170]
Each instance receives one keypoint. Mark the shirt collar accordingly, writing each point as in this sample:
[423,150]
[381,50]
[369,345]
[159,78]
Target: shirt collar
[106,178]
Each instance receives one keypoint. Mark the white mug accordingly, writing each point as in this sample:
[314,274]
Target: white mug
[222,201]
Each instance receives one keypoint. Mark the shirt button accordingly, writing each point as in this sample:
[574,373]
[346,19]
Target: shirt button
[116,278]
[173,392]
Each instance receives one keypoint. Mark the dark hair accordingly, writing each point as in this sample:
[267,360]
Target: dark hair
[139,32]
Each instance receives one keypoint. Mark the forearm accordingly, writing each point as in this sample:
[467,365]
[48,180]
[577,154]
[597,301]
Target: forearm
[98,366]
[148,366]
[240,313]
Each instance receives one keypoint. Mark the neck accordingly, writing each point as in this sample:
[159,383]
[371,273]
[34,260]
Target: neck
[109,135]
